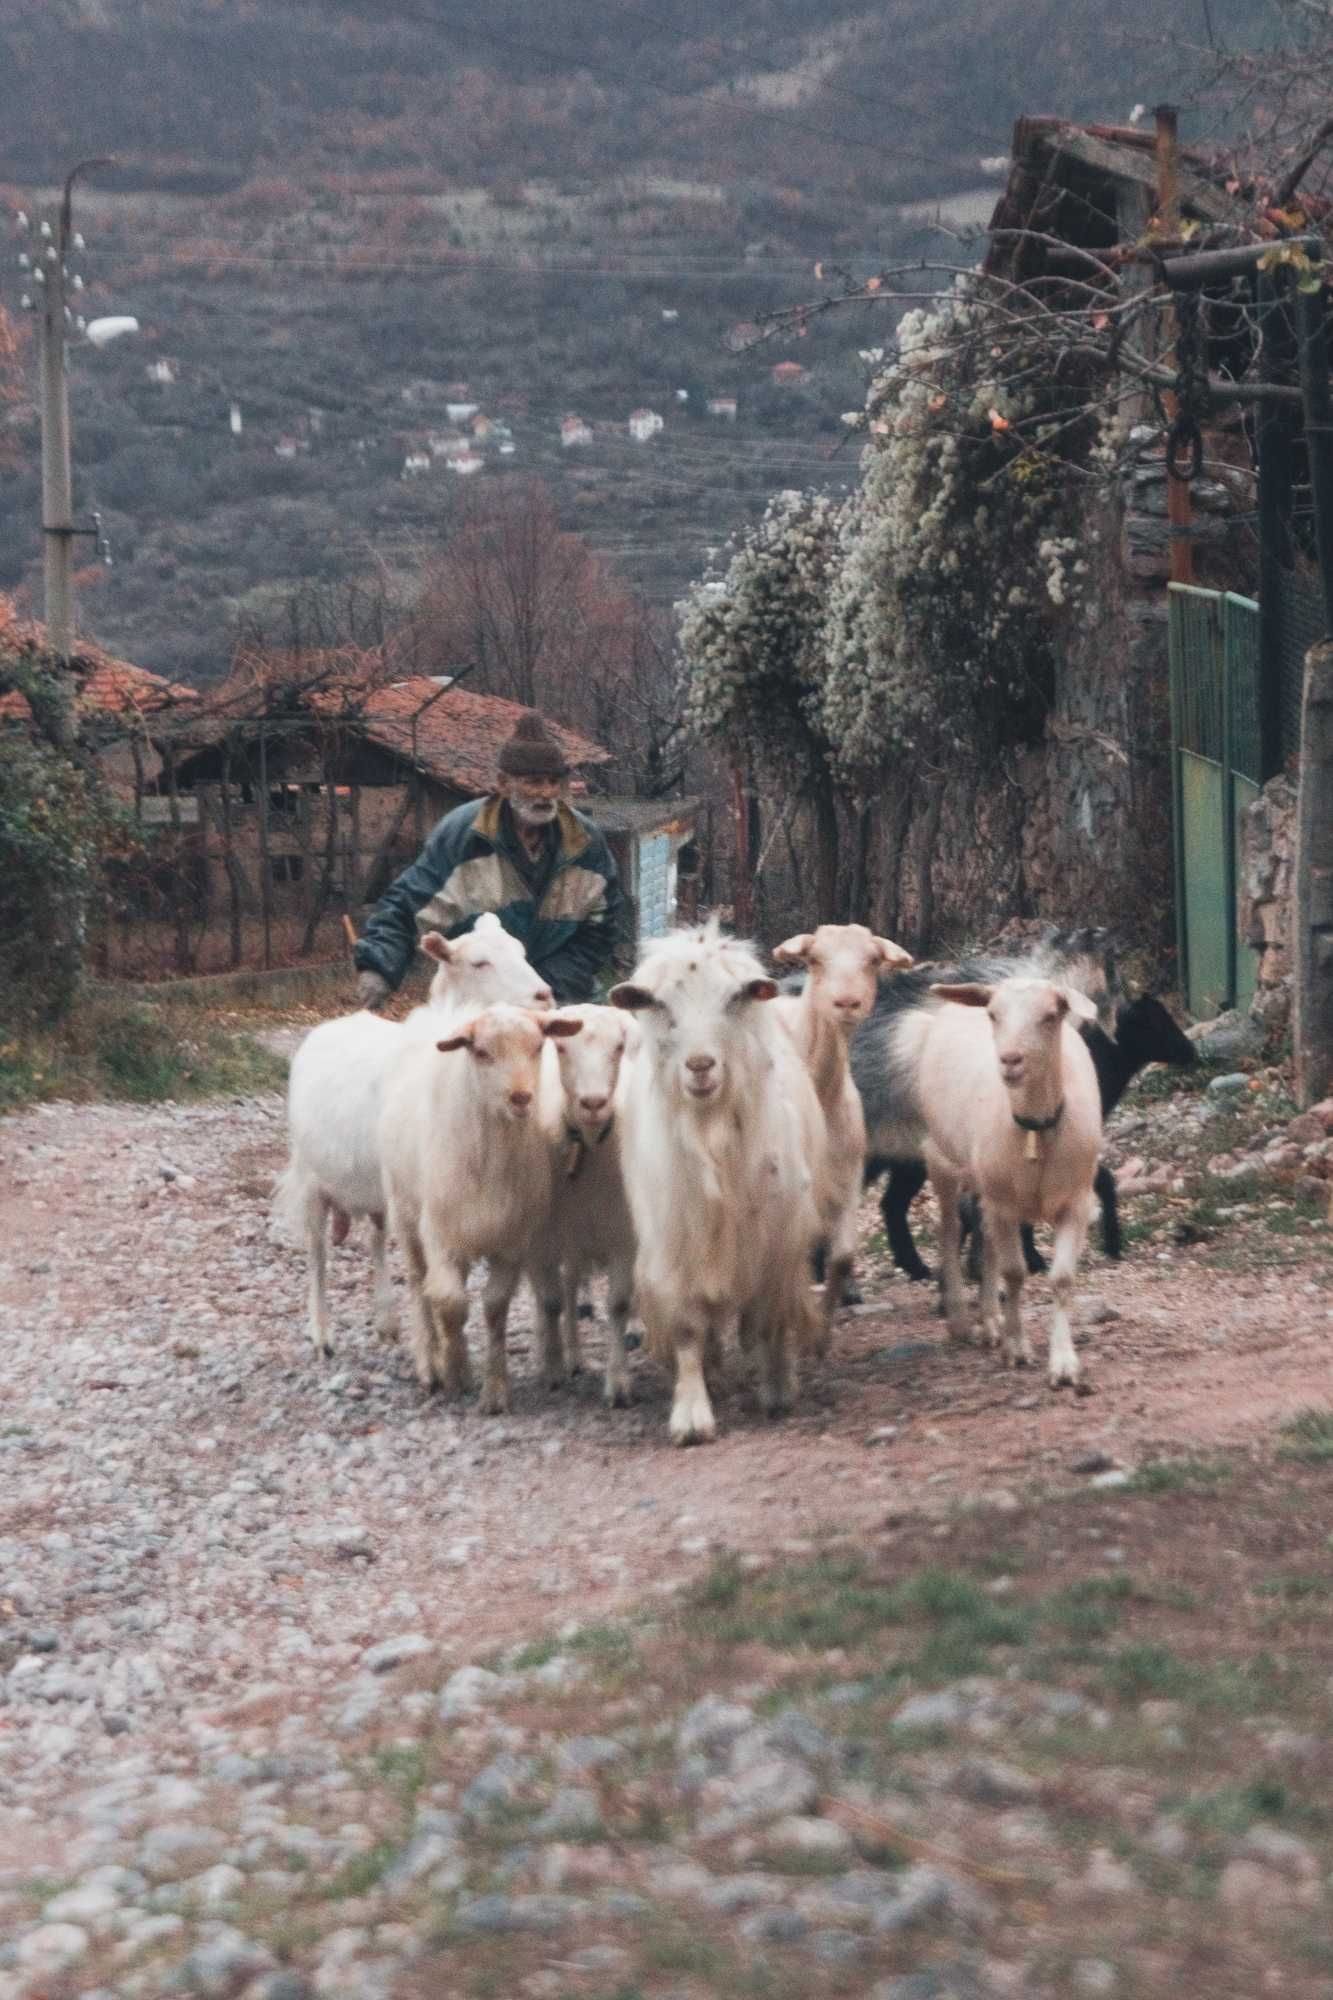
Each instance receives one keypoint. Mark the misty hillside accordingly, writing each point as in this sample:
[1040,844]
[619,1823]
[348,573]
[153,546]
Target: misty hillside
[343,218]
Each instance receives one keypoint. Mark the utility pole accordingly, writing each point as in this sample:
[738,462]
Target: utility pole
[54,245]
[1180,513]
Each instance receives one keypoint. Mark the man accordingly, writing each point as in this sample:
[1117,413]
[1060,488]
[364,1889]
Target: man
[522,852]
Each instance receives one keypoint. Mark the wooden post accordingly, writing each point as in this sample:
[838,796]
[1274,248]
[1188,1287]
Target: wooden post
[265,884]
[1312,1034]
[1179,509]
[1275,443]
[742,888]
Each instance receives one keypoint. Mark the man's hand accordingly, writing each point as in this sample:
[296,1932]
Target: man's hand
[372,990]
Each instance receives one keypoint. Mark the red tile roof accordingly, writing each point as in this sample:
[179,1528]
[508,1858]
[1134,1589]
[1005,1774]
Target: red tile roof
[454,734]
[104,683]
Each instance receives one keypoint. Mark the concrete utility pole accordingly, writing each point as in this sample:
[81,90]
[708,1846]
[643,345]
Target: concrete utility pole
[1179,508]
[54,244]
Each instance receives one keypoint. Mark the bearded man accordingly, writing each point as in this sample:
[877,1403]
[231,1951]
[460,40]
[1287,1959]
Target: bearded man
[523,852]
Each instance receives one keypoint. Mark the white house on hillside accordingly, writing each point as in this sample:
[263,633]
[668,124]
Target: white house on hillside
[644,424]
[573,430]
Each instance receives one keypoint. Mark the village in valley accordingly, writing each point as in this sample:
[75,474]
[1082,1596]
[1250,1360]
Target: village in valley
[666,1017]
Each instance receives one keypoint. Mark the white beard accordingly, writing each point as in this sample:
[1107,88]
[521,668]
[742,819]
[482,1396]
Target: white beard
[541,814]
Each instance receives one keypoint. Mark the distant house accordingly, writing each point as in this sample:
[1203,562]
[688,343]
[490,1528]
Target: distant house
[788,373]
[507,447]
[288,447]
[644,424]
[415,463]
[162,372]
[574,431]
[441,443]
[722,406]
[482,426]
[461,413]
[670,314]
[234,423]
[465,462]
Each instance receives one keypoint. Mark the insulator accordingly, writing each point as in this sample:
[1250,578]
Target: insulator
[76,283]
[25,261]
[79,243]
[46,228]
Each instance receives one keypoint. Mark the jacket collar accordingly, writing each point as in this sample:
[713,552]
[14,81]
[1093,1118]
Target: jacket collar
[574,834]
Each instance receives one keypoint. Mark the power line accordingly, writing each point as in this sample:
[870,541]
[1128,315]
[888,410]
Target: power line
[184,257]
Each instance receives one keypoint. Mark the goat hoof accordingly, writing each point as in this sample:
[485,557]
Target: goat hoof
[1083,1387]
[852,1295]
[617,1396]
[326,1349]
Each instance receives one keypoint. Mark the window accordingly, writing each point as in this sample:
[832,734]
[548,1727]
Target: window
[286,867]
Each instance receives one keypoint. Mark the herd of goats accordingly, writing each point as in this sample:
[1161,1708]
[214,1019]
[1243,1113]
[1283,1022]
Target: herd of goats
[704,1141]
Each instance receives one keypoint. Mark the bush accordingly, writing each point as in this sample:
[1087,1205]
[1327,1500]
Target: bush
[142,1051]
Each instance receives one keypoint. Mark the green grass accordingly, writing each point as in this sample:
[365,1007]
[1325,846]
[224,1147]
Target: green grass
[1308,1437]
[536,1654]
[362,1873]
[141,1051]
[1181,1475]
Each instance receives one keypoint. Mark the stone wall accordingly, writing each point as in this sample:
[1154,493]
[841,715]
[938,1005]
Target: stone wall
[1267,876]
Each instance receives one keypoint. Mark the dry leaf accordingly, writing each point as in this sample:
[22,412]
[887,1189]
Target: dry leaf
[997,422]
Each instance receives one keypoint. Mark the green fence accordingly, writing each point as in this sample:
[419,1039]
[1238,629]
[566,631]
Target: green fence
[1216,773]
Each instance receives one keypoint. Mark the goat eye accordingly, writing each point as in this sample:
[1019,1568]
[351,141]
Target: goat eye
[482,1055]
[481,965]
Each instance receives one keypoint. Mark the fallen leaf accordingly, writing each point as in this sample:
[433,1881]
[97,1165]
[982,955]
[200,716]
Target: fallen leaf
[997,422]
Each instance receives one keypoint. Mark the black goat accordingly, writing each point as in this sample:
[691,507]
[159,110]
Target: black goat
[1144,1032]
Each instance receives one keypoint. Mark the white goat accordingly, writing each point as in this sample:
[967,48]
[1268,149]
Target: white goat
[333,1105]
[723,1147]
[843,963]
[1013,1112]
[588,1226]
[467,1138]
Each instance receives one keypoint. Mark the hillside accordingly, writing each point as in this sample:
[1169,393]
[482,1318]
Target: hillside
[343,218]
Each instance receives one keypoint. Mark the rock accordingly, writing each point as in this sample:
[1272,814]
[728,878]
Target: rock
[1167,1838]
[920,1893]
[590,1753]
[793,1731]
[285,1985]
[497,1786]
[600,1958]
[712,1726]
[1108,1482]
[836,1948]
[345,1538]
[392,1652]
[942,1710]
[773,1927]
[885,1434]
[90,1904]
[365,1698]
[214,1886]
[219,1968]
[167,1853]
[1307,1130]
[573,1814]
[518,1913]
[937,1982]
[468,1690]
[425,1851]
[820,1839]
[1230,1085]
[1093,1461]
[1250,1888]
[732,1893]
[1106,1875]
[1231,1037]
[1288,1856]
[1095,1976]
[51,1947]
[988,1782]
[766,1791]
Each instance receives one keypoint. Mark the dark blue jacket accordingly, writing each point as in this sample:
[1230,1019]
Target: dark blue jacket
[567,920]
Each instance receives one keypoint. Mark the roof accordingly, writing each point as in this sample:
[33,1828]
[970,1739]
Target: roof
[454,734]
[104,683]
[621,815]
[1055,163]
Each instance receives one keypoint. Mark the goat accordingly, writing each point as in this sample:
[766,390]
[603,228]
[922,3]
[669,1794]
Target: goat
[843,963]
[1144,1033]
[587,1225]
[467,1145]
[333,1103]
[1012,1111]
[723,1147]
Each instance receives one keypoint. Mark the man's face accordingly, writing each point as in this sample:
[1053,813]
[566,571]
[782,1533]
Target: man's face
[535,801]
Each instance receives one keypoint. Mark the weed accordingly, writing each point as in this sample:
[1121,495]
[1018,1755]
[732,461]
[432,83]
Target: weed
[139,1050]
[403,1766]
[608,1644]
[1144,1670]
[1309,1437]
[536,1654]
[362,1873]
[1181,1475]
[1090,1608]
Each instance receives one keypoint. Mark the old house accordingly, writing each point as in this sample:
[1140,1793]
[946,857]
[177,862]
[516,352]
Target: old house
[574,431]
[644,425]
[722,406]
[788,374]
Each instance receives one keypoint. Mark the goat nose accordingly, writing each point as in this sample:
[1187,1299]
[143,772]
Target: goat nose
[544,996]
[593,1104]
[520,1099]
[700,1065]
[847,1003]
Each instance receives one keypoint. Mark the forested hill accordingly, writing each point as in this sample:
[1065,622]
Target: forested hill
[329,215]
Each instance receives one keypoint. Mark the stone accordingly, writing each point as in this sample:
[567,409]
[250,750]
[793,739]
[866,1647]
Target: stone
[1095,1976]
[91,1904]
[600,1958]
[573,1814]
[1230,1085]
[821,1839]
[712,1726]
[1106,1875]
[284,1985]
[836,1948]
[1093,1461]
[590,1753]
[168,1853]
[920,1893]
[218,1968]
[766,1791]
[467,1691]
[988,1782]
[51,1947]
[518,1913]
[393,1652]
[1285,1853]
[1307,1129]
[793,1731]
[425,1851]
[937,1982]
[1250,1888]
[498,1785]
[942,1710]
[1108,1482]
[773,1927]
[731,1893]
[215,1886]
[344,1538]
[1229,1038]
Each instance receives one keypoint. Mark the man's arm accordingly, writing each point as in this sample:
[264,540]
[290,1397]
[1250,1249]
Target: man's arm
[389,940]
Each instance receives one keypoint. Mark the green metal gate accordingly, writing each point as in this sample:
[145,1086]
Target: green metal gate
[1216,773]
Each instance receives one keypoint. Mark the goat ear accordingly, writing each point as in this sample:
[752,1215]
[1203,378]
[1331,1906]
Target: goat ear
[1078,1003]
[488,921]
[462,1040]
[893,954]
[558,1026]
[760,989]
[632,997]
[970,995]
[437,946]
[793,951]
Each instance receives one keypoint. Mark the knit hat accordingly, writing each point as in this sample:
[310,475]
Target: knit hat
[532,751]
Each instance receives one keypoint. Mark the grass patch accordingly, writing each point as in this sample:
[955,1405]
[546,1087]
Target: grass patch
[362,1873]
[1308,1437]
[536,1654]
[607,1645]
[1181,1475]
[142,1051]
